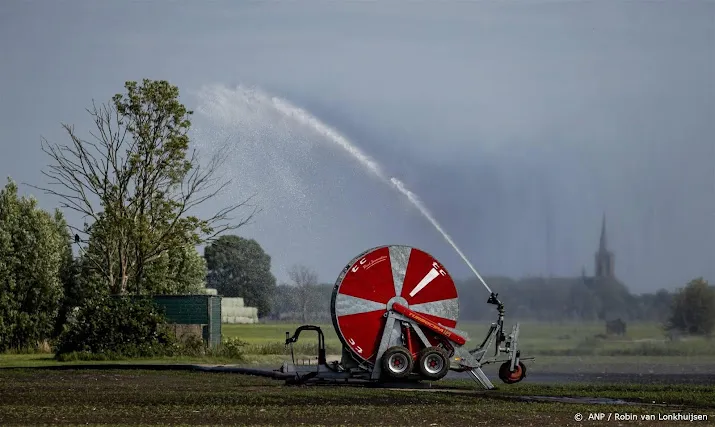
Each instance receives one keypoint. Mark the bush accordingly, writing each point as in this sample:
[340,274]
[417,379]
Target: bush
[192,346]
[230,348]
[693,309]
[111,328]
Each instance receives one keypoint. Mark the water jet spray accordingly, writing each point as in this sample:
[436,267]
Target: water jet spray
[395,308]
[305,118]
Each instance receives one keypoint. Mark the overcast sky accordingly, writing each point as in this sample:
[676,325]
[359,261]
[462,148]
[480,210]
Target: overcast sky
[518,123]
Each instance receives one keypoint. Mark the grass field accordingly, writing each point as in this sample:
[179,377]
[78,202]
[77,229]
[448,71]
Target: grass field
[180,398]
[559,347]
[543,339]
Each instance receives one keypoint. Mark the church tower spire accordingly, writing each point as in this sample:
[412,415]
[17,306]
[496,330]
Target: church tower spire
[603,245]
[604,258]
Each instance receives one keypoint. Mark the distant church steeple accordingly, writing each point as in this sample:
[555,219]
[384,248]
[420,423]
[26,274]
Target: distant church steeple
[604,258]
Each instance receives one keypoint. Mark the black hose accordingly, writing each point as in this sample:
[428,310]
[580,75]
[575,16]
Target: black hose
[266,373]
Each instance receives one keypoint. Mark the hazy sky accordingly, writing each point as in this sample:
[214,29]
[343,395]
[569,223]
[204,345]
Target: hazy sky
[518,123]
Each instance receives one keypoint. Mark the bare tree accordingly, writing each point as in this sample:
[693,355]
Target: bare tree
[306,281]
[135,183]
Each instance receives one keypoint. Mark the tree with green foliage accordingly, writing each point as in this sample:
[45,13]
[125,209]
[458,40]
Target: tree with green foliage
[32,246]
[137,182]
[180,270]
[693,309]
[239,267]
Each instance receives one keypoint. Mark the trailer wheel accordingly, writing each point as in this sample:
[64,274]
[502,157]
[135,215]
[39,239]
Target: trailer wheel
[433,363]
[509,377]
[397,362]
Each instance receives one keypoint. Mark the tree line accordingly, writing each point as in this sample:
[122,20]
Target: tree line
[135,184]
[689,310]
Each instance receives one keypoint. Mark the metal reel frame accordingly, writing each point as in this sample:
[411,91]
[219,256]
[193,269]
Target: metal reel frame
[462,359]
[400,324]
[397,324]
[479,356]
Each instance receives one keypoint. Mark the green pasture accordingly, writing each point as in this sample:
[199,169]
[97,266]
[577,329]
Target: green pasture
[538,339]
[567,347]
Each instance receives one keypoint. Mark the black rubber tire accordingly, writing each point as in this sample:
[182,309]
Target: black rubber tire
[404,355]
[509,377]
[430,373]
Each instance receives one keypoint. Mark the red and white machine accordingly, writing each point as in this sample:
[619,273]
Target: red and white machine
[395,310]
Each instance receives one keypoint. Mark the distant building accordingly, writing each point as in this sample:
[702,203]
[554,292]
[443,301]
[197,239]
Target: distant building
[604,281]
[604,258]
[600,295]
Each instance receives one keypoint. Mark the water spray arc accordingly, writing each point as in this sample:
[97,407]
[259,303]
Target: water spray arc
[305,118]
[418,204]
[394,308]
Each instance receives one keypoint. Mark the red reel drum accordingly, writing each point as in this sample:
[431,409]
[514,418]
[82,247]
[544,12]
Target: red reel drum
[380,276]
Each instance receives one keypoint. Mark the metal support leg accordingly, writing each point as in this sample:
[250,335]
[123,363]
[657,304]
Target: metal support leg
[479,376]
[385,343]
[514,347]
[421,335]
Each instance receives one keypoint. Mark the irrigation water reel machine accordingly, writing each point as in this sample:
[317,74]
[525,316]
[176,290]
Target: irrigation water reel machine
[395,310]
